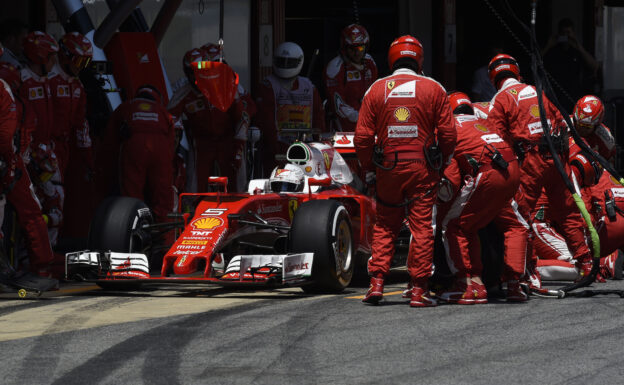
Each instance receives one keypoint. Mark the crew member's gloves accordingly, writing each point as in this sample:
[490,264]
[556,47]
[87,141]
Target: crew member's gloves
[370,177]
[445,191]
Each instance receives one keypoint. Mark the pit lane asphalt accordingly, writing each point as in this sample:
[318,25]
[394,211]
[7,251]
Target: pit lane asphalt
[198,335]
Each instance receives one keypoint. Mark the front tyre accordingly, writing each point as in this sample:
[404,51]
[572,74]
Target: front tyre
[116,227]
[323,227]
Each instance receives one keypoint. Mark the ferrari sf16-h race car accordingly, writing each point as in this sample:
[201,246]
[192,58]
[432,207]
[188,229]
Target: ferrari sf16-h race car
[311,238]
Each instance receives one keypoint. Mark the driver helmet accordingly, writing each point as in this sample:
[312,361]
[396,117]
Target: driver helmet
[287,179]
[287,60]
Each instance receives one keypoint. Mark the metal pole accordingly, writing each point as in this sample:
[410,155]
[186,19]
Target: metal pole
[163,19]
[112,22]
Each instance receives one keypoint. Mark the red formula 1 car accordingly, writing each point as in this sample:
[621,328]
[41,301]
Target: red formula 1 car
[310,237]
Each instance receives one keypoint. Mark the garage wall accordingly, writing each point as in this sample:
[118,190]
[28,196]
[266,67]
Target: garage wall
[195,24]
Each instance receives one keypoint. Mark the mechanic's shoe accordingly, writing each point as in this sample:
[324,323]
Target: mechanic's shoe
[459,293]
[407,293]
[608,265]
[532,277]
[479,292]
[375,291]
[584,269]
[515,292]
[420,294]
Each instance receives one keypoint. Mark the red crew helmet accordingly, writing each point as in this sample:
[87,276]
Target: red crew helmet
[354,35]
[212,50]
[586,171]
[38,46]
[501,67]
[460,103]
[10,74]
[148,91]
[192,56]
[77,48]
[406,47]
[588,111]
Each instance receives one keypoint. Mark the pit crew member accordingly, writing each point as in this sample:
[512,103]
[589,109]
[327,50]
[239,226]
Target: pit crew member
[515,113]
[348,76]
[486,172]
[16,181]
[147,150]
[555,261]
[212,133]
[286,103]
[40,50]
[405,112]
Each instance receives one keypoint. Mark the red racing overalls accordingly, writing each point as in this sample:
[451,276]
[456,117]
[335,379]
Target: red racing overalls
[404,111]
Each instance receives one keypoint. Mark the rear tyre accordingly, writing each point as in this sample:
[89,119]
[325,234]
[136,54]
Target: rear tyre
[323,227]
[116,227]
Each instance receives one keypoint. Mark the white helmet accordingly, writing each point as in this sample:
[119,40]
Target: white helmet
[287,179]
[287,60]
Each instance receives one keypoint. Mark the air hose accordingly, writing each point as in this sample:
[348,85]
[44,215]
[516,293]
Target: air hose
[539,74]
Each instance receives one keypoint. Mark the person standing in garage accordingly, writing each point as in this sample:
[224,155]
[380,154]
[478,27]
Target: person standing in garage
[147,150]
[348,76]
[17,184]
[288,105]
[215,135]
[401,116]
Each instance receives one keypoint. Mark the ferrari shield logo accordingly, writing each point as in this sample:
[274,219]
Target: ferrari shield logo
[326,159]
[391,84]
[293,205]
